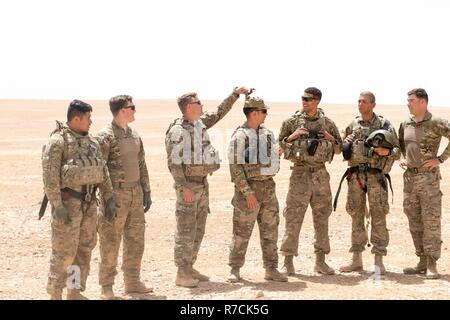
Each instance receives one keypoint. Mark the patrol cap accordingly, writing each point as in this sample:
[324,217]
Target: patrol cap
[255,103]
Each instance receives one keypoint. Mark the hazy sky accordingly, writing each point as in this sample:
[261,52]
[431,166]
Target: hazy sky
[160,49]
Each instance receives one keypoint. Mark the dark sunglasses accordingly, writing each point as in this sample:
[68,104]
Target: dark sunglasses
[263,111]
[196,102]
[307,99]
[133,107]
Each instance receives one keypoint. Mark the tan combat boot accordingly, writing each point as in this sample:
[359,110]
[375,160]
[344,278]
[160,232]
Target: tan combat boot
[107,293]
[234,275]
[197,275]
[136,287]
[274,275]
[432,272]
[288,267]
[421,267]
[56,295]
[185,279]
[75,294]
[379,266]
[355,265]
[321,266]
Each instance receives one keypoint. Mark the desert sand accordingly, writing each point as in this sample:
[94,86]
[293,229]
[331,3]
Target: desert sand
[25,241]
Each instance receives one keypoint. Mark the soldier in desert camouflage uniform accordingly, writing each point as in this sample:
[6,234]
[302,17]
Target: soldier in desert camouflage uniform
[253,163]
[420,137]
[367,175]
[73,168]
[124,154]
[309,139]
[190,158]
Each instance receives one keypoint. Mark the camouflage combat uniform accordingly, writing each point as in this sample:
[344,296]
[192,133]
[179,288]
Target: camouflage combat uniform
[421,192]
[367,182]
[190,158]
[68,160]
[124,154]
[253,176]
[309,182]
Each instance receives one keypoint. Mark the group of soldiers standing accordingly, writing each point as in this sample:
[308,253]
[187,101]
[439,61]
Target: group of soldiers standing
[75,165]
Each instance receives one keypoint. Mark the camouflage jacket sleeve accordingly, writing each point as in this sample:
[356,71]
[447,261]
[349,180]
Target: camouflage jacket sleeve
[347,131]
[443,129]
[105,187]
[174,148]
[334,131]
[210,119]
[285,132]
[237,170]
[52,157]
[395,152]
[143,172]
[401,139]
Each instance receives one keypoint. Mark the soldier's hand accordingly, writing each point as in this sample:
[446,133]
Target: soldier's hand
[110,209]
[147,201]
[252,202]
[240,90]
[61,214]
[349,138]
[403,165]
[297,133]
[382,151]
[188,195]
[278,150]
[431,164]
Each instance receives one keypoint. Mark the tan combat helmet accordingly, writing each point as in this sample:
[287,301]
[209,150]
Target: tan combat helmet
[381,138]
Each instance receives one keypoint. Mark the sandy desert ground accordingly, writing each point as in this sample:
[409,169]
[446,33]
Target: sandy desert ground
[25,241]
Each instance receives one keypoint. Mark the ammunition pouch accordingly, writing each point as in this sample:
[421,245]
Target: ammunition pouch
[361,153]
[200,170]
[82,171]
[317,150]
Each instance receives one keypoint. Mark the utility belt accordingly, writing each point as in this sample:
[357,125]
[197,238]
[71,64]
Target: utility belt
[419,170]
[197,179]
[86,196]
[364,169]
[123,185]
[307,168]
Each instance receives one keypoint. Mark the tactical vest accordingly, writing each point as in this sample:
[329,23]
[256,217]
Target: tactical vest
[362,153]
[301,148]
[254,168]
[210,161]
[81,166]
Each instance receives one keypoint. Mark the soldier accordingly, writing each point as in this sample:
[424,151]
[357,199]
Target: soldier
[367,173]
[124,154]
[309,139]
[190,158]
[420,137]
[253,163]
[73,169]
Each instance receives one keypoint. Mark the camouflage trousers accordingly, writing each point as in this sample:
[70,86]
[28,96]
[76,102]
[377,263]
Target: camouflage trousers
[307,186]
[129,224]
[378,209]
[191,223]
[72,245]
[422,204]
[267,215]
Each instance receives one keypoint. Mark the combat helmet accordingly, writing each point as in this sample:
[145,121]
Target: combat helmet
[381,138]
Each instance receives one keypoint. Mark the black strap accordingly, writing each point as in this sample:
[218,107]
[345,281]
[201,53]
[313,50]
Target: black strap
[336,197]
[86,197]
[43,206]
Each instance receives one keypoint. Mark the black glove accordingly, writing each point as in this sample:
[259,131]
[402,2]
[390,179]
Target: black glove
[60,213]
[147,201]
[110,209]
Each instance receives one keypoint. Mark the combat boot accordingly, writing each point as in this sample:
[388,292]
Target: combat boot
[234,275]
[288,267]
[56,295]
[75,294]
[274,275]
[421,267]
[355,265]
[107,293]
[136,287]
[379,266]
[432,272]
[321,266]
[197,275]
[185,279]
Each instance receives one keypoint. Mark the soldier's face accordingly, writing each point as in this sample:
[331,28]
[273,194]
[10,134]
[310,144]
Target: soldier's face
[82,124]
[260,116]
[195,108]
[365,106]
[415,105]
[129,111]
[309,103]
